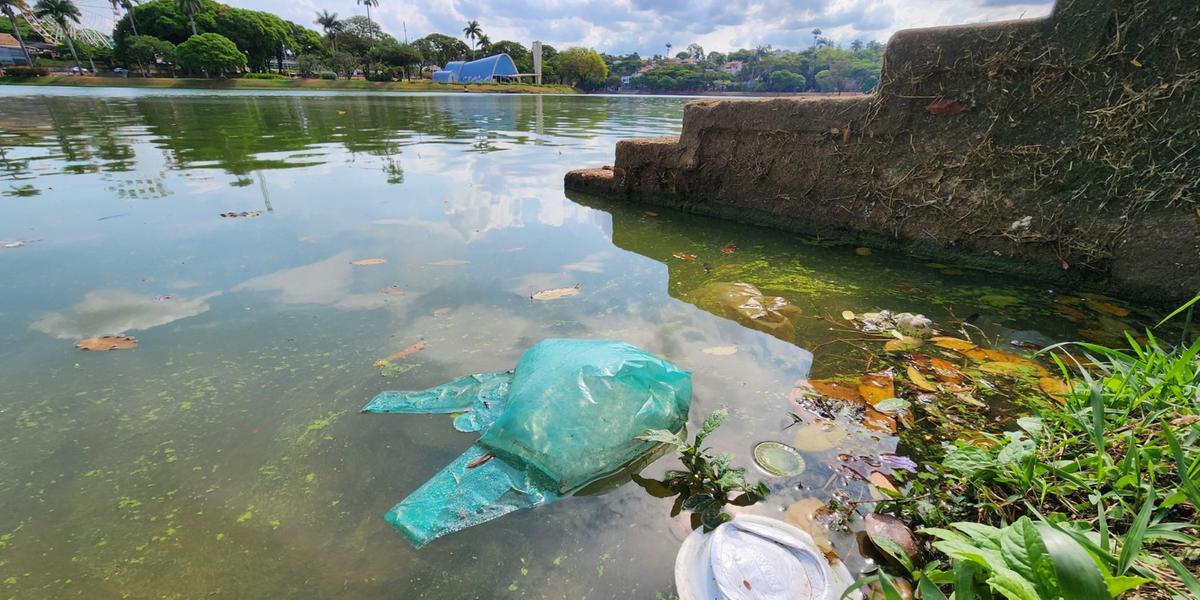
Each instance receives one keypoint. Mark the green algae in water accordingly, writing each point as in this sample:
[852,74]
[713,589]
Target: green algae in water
[780,460]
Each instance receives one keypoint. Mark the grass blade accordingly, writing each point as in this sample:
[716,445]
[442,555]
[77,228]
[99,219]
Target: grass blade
[1131,546]
[1181,465]
[1178,311]
[1189,580]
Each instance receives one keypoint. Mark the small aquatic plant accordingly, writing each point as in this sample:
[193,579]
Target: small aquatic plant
[708,484]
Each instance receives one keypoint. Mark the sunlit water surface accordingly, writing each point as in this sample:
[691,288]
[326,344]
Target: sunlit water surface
[225,456]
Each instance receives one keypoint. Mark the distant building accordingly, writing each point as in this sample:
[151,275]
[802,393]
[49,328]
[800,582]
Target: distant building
[733,67]
[10,51]
[485,70]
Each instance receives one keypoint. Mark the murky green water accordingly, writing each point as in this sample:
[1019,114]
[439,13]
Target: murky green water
[225,456]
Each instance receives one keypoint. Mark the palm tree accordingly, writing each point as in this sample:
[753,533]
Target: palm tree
[816,36]
[669,45]
[61,11]
[330,23]
[189,8]
[128,6]
[368,4]
[472,32]
[7,7]
[484,43]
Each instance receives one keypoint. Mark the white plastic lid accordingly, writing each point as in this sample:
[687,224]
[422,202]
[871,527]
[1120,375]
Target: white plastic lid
[756,558]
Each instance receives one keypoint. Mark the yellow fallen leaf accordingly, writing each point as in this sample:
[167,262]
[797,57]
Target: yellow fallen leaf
[819,436]
[902,344]
[951,343]
[366,262]
[1054,387]
[848,315]
[880,483]
[874,387]
[803,513]
[1107,307]
[919,380]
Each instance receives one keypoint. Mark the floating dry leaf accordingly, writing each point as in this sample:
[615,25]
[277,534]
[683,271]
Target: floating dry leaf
[819,436]
[366,262]
[881,483]
[952,343]
[1071,313]
[556,293]
[804,513]
[945,371]
[441,312]
[848,315]
[876,387]
[919,380]
[650,213]
[902,344]
[105,343]
[721,350]
[393,290]
[1107,307]
[887,531]
[877,421]
[846,391]
[861,251]
[409,351]
[684,256]
[729,248]
[1054,387]
[987,355]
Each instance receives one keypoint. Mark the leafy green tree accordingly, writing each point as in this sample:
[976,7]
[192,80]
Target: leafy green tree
[331,25]
[826,82]
[62,12]
[519,53]
[357,37]
[395,54]
[581,67]
[10,8]
[786,81]
[211,53]
[189,8]
[309,65]
[441,49]
[142,50]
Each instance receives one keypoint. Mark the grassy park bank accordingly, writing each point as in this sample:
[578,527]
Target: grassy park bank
[288,84]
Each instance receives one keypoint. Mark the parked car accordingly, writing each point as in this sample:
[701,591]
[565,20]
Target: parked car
[122,71]
[77,71]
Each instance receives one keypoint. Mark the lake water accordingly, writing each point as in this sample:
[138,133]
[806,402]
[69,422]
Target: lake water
[226,456]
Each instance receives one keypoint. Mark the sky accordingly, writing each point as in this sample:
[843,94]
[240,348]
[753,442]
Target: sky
[646,26]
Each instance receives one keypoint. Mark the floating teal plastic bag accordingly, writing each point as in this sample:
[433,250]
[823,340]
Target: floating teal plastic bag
[568,415]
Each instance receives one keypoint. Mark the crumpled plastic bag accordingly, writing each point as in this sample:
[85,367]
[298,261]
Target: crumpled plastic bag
[570,413]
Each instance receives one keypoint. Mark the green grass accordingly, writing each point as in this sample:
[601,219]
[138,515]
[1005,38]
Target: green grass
[1113,467]
[291,84]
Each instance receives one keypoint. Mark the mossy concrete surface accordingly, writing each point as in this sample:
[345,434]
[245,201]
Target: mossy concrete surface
[1065,148]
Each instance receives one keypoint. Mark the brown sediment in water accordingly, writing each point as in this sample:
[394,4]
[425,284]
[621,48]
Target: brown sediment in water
[1065,148]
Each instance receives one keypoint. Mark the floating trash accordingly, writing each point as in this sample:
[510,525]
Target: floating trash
[780,460]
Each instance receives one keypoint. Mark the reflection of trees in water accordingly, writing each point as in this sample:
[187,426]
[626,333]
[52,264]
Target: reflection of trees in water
[242,134]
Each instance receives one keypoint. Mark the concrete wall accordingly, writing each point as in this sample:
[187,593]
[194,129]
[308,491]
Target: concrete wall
[1064,148]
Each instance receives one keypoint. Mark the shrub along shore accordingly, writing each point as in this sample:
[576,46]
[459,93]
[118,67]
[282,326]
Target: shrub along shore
[288,84]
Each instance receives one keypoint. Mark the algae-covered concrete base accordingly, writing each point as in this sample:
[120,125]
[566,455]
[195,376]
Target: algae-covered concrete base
[1066,148]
